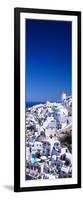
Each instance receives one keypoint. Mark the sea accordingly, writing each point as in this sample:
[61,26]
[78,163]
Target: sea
[30,104]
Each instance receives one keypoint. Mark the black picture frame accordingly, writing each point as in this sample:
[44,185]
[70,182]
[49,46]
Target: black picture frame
[17,12]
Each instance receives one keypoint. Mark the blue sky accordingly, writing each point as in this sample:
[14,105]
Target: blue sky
[48,59]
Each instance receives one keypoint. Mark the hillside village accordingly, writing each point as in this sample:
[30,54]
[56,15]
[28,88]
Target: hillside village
[48,140]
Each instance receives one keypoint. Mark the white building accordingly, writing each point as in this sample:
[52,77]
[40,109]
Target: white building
[61,123]
[52,125]
[64,150]
[60,113]
[38,146]
[49,131]
[63,97]
[27,153]
[48,121]
[68,102]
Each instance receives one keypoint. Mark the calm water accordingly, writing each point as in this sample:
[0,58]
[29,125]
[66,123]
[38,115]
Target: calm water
[30,104]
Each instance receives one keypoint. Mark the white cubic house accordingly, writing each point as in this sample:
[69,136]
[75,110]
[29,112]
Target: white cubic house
[60,115]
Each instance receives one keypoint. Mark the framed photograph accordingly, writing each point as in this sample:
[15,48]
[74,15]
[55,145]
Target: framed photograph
[47,99]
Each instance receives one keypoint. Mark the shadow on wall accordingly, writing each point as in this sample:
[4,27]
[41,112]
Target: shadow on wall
[9,187]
